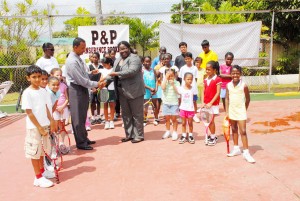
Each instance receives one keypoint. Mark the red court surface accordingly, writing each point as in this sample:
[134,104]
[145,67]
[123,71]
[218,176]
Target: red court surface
[164,170]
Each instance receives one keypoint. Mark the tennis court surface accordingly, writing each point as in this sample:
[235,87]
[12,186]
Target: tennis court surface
[164,170]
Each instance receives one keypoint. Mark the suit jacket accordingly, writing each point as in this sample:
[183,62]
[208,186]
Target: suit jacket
[130,80]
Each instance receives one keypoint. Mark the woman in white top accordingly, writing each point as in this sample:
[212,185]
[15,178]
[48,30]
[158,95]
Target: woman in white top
[47,62]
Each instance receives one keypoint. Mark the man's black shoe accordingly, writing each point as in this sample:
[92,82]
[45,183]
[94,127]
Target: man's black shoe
[91,142]
[86,148]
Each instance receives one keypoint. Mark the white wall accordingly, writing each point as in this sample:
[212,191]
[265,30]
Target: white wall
[275,79]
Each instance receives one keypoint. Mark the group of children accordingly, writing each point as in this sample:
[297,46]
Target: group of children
[177,89]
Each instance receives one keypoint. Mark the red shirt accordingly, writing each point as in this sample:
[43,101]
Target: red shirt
[211,89]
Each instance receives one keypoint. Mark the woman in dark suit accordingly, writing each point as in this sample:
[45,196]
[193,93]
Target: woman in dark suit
[130,90]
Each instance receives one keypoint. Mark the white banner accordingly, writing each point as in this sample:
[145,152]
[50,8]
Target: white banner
[103,38]
[242,39]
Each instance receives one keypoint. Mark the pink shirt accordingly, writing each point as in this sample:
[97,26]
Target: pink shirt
[63,90]
[224,69]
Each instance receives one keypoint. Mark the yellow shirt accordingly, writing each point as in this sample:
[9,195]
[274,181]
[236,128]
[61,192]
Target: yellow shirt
[210,56]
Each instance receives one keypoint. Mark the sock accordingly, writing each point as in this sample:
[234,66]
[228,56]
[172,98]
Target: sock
[191,134]
[183,134]
[246,151]
[39,176]
[92,118]
[42,170]
[212,136]
[236,147]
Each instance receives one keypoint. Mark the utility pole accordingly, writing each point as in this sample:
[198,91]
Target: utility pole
[99,18]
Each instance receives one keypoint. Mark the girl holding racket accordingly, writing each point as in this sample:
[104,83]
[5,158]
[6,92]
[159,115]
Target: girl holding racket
[110,102]
[237,102]
[211,96]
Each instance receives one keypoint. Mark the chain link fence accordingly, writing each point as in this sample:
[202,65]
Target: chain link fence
[25,35]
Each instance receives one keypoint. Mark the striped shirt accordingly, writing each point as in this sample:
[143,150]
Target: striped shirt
[170,96]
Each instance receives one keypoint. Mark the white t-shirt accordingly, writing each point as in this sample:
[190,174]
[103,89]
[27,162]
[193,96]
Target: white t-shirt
[193,69]
[105,72]
[36,100]
[163,69]
[47,64]
[187,103]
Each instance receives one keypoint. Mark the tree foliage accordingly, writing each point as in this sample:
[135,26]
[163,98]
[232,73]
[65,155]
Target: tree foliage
[71,25]
[17,34]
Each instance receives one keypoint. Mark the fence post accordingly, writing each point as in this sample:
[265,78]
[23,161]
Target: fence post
[181,20]
[49,21]
[271,51]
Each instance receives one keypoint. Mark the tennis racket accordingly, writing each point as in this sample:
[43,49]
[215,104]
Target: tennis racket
[103,95]
[206,116]
[226,131]
[64,138]
[52,153]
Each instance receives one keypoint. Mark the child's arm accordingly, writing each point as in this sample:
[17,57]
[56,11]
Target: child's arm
[227,101]
[64,105]
[174,86]
[35,122]
[202,98]
[216,96]
[52,122]
[247,95]
[54,106]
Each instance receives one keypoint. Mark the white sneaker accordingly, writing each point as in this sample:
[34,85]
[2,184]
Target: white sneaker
[248,157]
[106,125]
[234,152]
[166,135]
[48,167]
[155,123]
[87,128]
[111,125]
[196,119]
[174,136]
[48,174]
[179,120]
[42,182]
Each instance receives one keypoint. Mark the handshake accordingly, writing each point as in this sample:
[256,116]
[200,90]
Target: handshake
[102,84]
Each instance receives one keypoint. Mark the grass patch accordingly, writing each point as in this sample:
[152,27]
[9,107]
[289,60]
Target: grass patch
[10,98]
[274,88]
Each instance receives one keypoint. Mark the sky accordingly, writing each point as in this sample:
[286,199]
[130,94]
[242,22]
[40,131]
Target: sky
[68,7]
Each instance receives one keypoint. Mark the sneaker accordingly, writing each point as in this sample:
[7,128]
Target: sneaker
[182,140]
[206,140]
[174,136]
[48,174]
[155,122]
[42,182]
[191,140]
[234,152]
[166,135]
[48,165]
[111,125]
[248,157]
[145,123]
[93,121]
[212,142]
[196,119]
[99,121]
[106,125]
[87,128]
[122,125]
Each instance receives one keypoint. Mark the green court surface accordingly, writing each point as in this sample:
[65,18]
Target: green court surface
[11,108]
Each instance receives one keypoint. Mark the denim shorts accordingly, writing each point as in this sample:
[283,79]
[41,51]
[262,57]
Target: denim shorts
[223,93]
[195,97]
[170,110]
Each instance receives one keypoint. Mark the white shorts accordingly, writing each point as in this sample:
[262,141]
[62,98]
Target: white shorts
[215,109]
[223,93]
[57,115]
[33,143]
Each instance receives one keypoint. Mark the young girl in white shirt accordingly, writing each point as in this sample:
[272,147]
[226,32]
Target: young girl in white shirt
[187,110]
